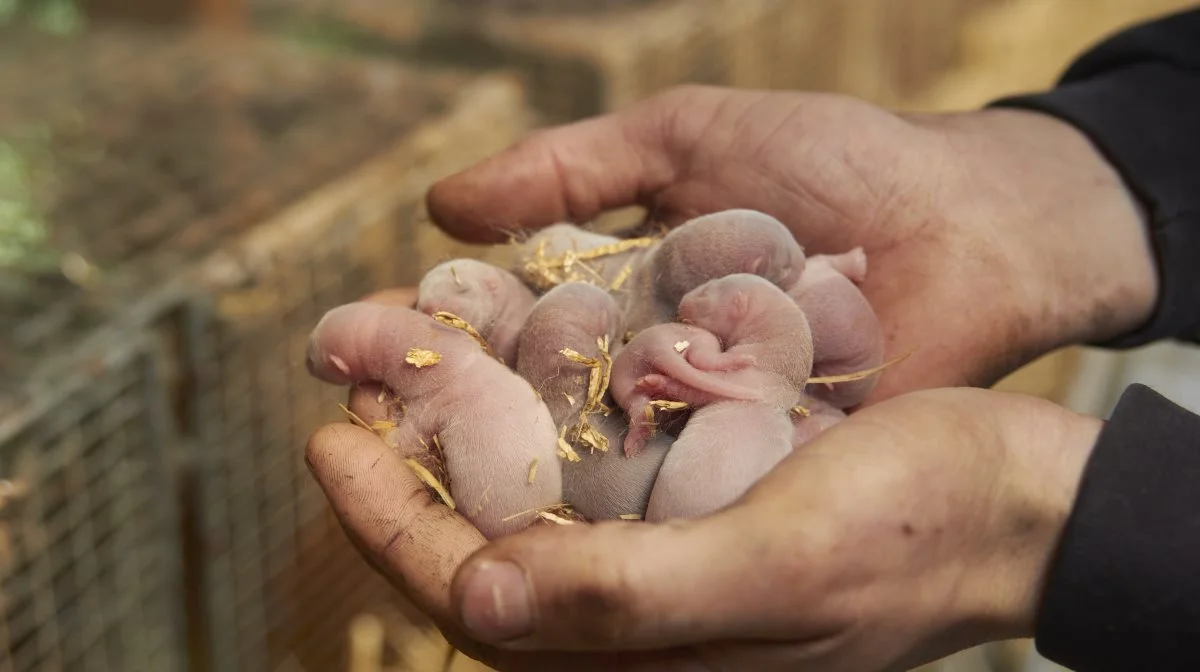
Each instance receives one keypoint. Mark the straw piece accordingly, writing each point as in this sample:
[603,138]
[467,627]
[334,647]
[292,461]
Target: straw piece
[354,417]
[428,479]
[421,358]
[561,505]
[665,405]
[565,451]
[546,515]
[857,375]
[452,320]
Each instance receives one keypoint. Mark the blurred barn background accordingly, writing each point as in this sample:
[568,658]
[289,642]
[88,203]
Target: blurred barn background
[257,162]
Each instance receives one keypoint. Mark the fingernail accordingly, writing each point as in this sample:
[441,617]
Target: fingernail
[496,602]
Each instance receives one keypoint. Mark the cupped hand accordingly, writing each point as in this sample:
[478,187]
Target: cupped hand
[918,527]
[993,237]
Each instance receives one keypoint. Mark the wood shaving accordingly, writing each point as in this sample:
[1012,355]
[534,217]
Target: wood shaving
[562,507]
[801,411]
[570,400]
[622,276]
[533,470]
[665,405]
[454,274]
[438,454]
[354,417]
[648,414]
[382,426]
[554,518]
[599,375]
[593,438]
[546,272]
[421,358]
[630,516]
[452,320]
[574,356]
[681,346]
[857,375]
[565,451]
[428,479]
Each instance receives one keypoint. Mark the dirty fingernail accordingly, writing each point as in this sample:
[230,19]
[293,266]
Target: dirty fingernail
[496,602]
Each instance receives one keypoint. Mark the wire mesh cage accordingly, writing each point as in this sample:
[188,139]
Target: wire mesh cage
[266,183]
[90,566]
[284,583]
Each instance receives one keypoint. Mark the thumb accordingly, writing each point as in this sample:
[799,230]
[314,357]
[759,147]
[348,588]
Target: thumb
[625,586]
[570,173]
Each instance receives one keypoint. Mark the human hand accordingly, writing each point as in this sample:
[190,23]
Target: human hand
[917,527]
[993,236]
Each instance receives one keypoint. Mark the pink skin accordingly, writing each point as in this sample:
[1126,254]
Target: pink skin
[602,485]
[492,300]
[729,444]
[713,246]
[650,367]
[821,416]
[559,239]
[488,420]
[762,329]
[846,332]
[716,460]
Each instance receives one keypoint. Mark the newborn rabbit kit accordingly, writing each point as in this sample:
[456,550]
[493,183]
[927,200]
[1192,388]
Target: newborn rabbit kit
[606,378]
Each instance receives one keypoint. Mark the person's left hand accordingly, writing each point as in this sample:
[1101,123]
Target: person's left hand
[917,527]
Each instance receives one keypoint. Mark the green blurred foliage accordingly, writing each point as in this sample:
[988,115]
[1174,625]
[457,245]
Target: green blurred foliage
[25,241]
[58,17]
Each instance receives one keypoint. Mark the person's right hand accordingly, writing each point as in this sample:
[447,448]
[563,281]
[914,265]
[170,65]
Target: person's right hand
[993,237]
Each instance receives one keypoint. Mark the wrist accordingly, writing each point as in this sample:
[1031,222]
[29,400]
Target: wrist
[1048,451]
[1074,236]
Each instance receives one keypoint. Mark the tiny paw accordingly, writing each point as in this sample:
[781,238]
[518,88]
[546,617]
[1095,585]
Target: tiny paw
[652,384]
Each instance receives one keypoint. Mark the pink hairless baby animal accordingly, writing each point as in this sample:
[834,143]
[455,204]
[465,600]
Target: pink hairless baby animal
[601,484]
[706,248]
[845,329]
[487,420]
[679,362]
[492,300]
[731,440]
[609,269]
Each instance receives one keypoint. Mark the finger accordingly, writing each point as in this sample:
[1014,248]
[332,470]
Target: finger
[414,541]
[629,586]
[570,173]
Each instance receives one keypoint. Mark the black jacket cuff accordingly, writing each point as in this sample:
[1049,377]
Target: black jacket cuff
[1122,590]
[1145,119]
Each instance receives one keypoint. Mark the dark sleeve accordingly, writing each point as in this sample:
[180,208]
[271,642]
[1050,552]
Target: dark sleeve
[1137,96]
[1123,593]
